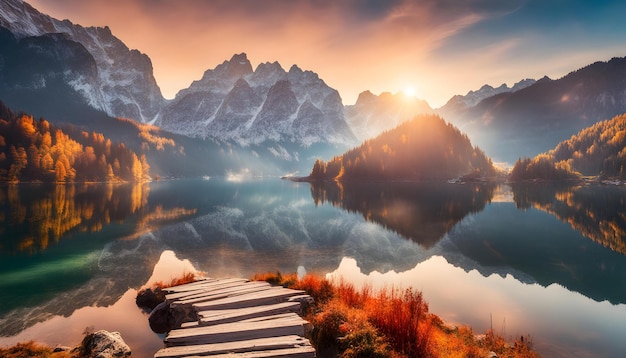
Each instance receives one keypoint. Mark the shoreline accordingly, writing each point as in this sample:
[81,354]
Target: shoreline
[446,335]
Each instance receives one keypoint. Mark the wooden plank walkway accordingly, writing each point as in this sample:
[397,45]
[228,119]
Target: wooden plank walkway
[237,318]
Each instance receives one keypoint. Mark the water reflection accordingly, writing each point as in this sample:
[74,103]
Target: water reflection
[120,314]
[33,216]
[236,229]
[535,246]
[51,246]
[562,323]
[422,212]
[597,212]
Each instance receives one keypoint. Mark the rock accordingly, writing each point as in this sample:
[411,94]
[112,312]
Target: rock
[165,317]
[104,344]
[306,302]
[160,319]
[149,299]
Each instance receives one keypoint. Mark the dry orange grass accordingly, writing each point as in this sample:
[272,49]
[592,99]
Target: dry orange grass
[350,322]
[32,349]
[187,277]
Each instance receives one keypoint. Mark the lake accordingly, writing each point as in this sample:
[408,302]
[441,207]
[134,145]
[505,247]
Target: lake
[539,259]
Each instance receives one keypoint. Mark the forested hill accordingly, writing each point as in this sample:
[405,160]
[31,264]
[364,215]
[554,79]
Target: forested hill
[599,150]
[35,150]
[423,148]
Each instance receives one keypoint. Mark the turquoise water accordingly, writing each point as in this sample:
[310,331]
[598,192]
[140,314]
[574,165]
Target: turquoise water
[536,259]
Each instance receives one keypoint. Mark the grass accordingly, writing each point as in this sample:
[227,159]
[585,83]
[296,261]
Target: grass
[34,350]
[350,322]
[187,277]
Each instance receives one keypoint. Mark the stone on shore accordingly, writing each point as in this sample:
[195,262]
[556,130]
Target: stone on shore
[104,344]
[164,317]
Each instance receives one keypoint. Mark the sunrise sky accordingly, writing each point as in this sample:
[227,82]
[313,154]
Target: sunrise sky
[438,48]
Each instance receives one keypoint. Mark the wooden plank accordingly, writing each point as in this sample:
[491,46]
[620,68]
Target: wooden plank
[189,324]
[207,318]
[186,295]
[299,352]
[300,298]
[288,315]
[206,284]
[196,285]
[201,290]
[201,281]
[273,295]
[252,345]
[231,292]
[237,331]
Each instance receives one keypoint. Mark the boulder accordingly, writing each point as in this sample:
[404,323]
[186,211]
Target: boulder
[104,344]
[160,318]
[148,299]
[165,317]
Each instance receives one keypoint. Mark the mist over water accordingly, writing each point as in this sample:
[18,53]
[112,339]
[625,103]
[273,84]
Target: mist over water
[530,257]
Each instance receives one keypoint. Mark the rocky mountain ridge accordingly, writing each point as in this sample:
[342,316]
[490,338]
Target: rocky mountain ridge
[534,119]
[122,84]
[232,102]
[472,98]
[235,102]
[53,65]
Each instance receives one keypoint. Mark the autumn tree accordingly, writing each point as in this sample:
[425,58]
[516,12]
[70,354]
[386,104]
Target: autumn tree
[36,150]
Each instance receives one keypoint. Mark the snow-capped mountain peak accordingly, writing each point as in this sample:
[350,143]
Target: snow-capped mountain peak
[124,86]
[233,102]
[472,98]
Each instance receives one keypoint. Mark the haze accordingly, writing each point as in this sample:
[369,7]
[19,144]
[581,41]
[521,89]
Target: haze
[437,48]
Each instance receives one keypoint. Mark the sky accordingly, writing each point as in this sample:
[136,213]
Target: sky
[432,48]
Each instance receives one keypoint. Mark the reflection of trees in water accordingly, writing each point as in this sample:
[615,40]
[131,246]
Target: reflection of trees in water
[422,212]
[32,216]
[597,212]
[36,215]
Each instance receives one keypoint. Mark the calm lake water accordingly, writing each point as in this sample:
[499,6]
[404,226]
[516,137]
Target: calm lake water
[544,260]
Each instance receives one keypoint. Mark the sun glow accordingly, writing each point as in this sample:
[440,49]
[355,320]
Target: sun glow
[409,91]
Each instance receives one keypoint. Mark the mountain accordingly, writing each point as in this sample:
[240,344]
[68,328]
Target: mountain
[472,98]
[263,121]
[424,148]
[599,150]
[372,114]
[534,119]
[120,84]
[235,102]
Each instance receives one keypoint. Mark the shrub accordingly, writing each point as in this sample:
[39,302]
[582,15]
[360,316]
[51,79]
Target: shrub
[187,277]
[350,322]
[32,349]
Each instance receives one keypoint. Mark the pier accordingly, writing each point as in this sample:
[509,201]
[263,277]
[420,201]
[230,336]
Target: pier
[236,317]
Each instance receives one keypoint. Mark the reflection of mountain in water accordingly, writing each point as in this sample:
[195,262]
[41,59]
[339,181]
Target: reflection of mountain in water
[597,212]
[531,242]
[422,212]
[98,281]
[238,229]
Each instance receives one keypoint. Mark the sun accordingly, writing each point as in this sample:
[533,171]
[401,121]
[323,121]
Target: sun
[409,91]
